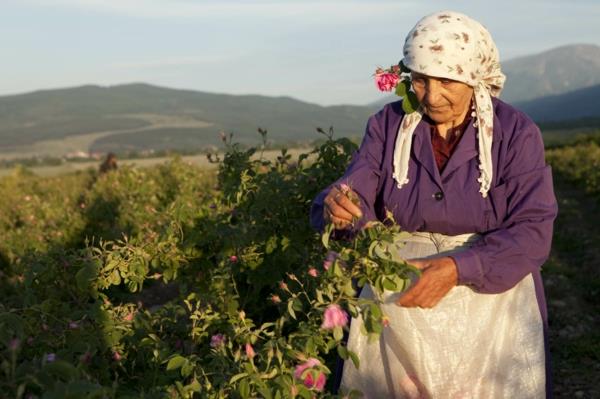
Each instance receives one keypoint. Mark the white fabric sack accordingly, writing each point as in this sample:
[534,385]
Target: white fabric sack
[470,345]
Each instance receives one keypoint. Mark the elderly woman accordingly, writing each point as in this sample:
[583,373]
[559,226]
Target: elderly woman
[466,174]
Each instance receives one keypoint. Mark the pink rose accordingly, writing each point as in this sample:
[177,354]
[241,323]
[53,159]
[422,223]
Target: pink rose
[386,81]
[309,379]
[117,356]
[334,317]
[313,272]
[217,340]
[233,259]
[275,298]
[250,351]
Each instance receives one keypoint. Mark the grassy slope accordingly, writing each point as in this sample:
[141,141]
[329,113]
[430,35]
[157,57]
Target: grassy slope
[56,114]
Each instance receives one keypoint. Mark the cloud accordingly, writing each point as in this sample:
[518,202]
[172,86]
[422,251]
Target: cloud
[330,9]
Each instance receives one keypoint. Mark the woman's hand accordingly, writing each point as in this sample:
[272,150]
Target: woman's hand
[438,277]
[339,208]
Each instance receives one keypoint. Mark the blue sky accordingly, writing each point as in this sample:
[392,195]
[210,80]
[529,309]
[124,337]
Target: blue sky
[318,51]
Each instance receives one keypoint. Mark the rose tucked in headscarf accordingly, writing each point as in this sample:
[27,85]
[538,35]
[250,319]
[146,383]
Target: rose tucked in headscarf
[451,45]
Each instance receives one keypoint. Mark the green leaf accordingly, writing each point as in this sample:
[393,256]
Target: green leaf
[372,248]
[270,374]
[348,289]
[338,333]
[325,236]
[244,389]
[343,352]
[264,391]
[354,358]
[319,295]
[375,311]
[194,386]
[115,277]
[237,377]
[389,284]
[271,244]
[337,269]
[309,347]
[402,88]
[85,275]
[290,308]
[176,362]
[410,103]
[187,369]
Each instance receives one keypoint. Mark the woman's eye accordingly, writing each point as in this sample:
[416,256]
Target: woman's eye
[446,81]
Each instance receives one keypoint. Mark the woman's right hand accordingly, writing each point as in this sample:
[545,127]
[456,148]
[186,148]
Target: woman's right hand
[339,208]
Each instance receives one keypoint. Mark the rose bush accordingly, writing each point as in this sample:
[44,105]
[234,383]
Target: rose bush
[174,282]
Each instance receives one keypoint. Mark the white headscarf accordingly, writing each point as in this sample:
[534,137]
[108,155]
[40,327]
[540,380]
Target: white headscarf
[451,45]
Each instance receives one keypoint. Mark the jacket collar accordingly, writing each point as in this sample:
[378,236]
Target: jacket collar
[465,150]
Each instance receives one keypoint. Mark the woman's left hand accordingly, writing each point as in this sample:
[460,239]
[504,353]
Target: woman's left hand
[438,277]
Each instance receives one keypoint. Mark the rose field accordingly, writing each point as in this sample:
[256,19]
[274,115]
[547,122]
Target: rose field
[180,282]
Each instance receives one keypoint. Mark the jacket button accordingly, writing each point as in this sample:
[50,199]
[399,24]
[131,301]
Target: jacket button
[438,196]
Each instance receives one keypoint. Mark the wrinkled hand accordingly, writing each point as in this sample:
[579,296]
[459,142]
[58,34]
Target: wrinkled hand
[438,277]
[339,208]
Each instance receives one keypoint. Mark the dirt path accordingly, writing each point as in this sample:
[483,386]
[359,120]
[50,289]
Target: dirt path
[83,142]
[572,279]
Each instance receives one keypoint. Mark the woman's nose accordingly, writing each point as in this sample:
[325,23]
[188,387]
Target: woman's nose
[432,93]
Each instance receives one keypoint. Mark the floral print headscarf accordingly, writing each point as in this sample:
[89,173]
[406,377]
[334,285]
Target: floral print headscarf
[451,45]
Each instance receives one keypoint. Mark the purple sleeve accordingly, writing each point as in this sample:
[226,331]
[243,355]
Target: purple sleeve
[362,175]
[521,244]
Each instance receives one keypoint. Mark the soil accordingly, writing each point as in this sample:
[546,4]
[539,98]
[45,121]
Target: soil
[572,281]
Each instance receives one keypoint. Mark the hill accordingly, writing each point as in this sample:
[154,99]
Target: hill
[564,81]
[142,116]
[578,104]
[557,71]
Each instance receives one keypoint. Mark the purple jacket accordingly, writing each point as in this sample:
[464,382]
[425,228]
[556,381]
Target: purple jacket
[515,219]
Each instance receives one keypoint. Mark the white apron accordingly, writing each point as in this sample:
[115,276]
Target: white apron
[470,345]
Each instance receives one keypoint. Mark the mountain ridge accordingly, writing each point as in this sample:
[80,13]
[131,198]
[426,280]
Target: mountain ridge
[141,116]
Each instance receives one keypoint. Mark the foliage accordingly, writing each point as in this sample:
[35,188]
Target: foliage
[169,281]
[579,163]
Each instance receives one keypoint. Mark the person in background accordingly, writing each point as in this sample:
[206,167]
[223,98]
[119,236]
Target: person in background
[465,173]
[109,163]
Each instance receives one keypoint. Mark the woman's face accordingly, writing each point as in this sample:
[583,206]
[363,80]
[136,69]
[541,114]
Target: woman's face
[443,100]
